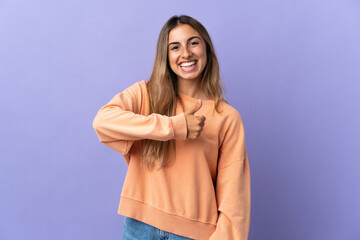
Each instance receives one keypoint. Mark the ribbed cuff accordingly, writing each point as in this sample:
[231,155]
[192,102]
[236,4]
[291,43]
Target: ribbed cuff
[179,126]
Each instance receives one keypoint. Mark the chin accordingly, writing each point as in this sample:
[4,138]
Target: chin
[189,77]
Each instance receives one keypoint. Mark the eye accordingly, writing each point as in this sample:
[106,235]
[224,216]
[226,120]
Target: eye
[194,43]
[174,48]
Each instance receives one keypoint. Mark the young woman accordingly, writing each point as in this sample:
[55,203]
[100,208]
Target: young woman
[188,174]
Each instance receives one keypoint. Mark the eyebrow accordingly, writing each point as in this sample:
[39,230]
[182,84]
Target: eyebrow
[191,38]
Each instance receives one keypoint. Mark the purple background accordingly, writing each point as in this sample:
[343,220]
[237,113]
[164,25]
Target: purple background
[292,69]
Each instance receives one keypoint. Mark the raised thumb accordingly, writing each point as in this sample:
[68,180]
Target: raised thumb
[195,108]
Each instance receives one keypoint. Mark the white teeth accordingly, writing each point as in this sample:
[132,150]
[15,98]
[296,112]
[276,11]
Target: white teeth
[187,64]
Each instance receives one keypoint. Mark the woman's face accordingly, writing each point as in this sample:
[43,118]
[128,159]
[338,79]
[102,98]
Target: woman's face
[186,52]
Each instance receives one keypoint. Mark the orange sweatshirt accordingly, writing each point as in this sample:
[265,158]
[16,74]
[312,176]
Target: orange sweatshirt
[205,193]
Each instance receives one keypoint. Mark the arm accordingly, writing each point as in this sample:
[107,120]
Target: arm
[122,121]
[233,186]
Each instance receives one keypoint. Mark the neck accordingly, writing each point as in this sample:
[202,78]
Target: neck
[191,88]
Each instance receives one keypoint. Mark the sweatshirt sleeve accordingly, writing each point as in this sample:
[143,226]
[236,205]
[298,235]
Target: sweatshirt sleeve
[121,121]
[233,186]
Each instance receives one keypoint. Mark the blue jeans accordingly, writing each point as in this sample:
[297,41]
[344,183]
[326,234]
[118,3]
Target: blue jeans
[136,230]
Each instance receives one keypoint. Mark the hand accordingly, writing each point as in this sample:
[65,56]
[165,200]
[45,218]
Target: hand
[195,124]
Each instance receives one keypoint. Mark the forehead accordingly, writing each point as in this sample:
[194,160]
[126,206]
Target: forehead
[182,32]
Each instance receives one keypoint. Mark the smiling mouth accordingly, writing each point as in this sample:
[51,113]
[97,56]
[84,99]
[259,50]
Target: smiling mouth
[188,66]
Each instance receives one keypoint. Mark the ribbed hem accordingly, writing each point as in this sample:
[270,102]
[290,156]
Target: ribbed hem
[165,221]
[179,125]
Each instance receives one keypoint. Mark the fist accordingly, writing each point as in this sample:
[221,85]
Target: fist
[195,124]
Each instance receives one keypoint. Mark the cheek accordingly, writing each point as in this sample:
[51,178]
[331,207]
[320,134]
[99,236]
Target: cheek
[172,60]
[204,58]
[204,55]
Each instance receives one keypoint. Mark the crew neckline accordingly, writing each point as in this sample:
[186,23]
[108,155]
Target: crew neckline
[195,100]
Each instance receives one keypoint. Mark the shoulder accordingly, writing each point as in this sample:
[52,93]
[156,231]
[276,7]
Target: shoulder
[229,113]
[137,93]
[231,121]
[138,88]
[134,98]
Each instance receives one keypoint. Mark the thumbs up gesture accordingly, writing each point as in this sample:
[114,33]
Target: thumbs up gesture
[195,124]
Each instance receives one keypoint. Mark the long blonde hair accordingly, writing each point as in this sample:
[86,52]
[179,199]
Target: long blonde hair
[163,88]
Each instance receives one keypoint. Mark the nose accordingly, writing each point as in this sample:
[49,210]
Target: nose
[186,53]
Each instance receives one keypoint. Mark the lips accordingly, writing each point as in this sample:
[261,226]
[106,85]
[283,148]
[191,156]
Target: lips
[188,66]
